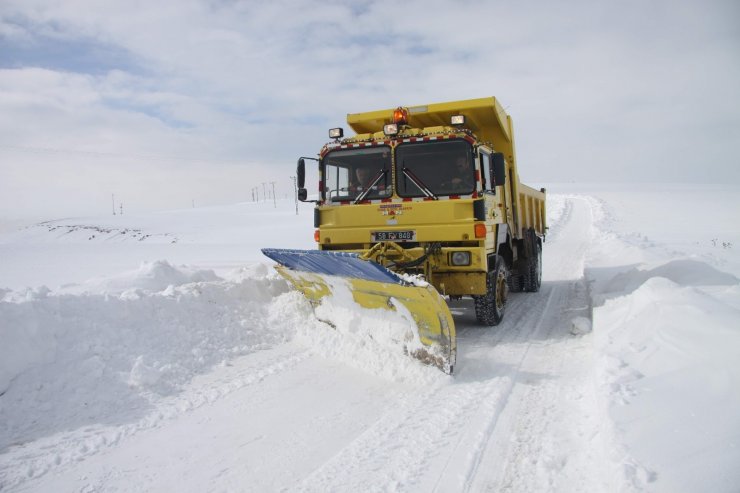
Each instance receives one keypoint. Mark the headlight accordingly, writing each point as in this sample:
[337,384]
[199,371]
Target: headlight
[460,258]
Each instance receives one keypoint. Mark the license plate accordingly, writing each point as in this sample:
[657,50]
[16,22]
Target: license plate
[394,235]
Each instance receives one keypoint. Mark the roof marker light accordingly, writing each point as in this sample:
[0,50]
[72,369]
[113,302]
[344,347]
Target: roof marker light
[401,116]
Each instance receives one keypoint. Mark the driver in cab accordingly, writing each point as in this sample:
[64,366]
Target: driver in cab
[363,179]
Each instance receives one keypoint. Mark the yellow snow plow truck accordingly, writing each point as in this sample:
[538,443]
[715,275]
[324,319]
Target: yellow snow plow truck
[424,202]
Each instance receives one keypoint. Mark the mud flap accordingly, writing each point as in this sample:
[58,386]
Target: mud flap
[321,274]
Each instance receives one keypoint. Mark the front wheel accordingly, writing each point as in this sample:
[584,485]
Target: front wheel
[489,308]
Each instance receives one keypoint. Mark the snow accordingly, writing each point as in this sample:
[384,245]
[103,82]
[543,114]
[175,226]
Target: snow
[161,352]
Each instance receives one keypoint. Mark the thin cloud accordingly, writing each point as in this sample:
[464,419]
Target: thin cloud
[598,91]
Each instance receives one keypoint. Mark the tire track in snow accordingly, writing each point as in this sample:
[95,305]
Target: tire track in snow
[398,448]
[527,416]
[489,423]
[530,334]
[551,409]
[35,459]
[556,225]
[395,452]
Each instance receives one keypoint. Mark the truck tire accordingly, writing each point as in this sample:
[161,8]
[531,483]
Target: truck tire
[489,308]
[515,282]
[533,274]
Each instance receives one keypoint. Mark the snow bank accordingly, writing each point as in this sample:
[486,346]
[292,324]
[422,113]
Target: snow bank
[78,359]
[684,272]
[669,343]
[150,276]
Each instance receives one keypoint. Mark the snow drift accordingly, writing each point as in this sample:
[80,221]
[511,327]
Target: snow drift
[87,356]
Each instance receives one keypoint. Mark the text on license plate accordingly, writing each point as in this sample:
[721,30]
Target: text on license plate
[394,236]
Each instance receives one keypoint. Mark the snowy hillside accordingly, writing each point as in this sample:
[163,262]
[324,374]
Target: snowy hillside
[161,352]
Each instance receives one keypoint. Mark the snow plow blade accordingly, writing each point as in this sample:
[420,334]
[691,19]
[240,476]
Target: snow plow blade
[322,275]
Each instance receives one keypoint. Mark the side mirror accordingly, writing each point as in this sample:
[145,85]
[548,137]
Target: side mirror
[302,194]
[301,173]
[498,169]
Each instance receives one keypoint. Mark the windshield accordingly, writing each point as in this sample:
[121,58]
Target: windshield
[352,174]
[435,168]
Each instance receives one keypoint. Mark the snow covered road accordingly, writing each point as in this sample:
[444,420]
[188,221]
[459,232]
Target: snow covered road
[176,380]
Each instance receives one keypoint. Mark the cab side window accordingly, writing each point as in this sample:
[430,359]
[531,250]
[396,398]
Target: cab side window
[336,179]
[485,166]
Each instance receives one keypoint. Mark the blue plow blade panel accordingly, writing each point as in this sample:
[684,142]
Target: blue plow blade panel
[341,264]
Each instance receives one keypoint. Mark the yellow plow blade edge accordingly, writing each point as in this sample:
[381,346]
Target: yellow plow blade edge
[323,276]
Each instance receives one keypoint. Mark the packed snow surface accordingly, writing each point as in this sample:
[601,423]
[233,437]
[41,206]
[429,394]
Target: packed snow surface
[161,352]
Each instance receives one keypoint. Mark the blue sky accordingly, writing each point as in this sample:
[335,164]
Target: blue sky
[167,102]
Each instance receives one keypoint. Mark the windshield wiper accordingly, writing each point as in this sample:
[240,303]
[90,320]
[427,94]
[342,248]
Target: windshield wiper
[375,181]
[420,184]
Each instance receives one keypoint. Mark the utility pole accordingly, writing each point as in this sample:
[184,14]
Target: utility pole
[264,191]
[113,201]
[295,193]
[121,204]
[274,202]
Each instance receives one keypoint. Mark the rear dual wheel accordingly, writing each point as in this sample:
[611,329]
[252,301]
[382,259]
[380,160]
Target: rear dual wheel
[489,308]
[533,275]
